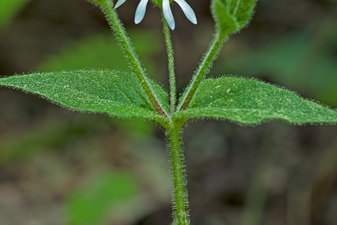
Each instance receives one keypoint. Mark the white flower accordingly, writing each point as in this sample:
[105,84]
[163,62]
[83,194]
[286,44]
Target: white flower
[141,9]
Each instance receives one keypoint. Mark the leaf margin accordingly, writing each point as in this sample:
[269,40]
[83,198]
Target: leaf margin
[186,114]
[152,115]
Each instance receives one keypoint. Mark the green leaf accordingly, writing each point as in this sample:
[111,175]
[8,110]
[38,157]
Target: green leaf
[232,15]
[162,96]
[116,93]
[8,9]
[250,101]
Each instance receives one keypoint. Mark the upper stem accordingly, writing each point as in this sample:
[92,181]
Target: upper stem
[171,66]
[180,191]
[202,70]
[127,46]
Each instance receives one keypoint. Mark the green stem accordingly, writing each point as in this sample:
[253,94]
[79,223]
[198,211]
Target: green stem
[171,66]
[202,70]
[127,46]
[180,192]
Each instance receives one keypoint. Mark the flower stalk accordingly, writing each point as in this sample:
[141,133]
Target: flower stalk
[169,47]
[128,48]
[202,70]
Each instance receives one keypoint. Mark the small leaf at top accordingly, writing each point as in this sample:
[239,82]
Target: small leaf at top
[231,15]
[250,102]
[117,93]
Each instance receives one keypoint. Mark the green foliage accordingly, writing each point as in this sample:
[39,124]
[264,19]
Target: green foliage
[8,9]
[103,51]
[161,95]
[116,93]
[250,101]
[95,202]
[232,15]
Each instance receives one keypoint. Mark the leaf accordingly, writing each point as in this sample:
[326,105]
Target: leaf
[102,197]
[162,96]
[8,9]
[116,93]
[231,15]
[250,101]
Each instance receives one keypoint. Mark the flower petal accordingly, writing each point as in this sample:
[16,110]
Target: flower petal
[119,3]
[168,14]
[188,11]
[140,12]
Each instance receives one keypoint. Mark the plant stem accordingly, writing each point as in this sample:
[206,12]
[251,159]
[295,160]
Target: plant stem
[202,70]
[129,50]
[180,192]
[171,66]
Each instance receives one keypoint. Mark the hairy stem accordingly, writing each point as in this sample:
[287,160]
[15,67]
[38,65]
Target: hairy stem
[171,66]
[129,50]
[202,70]
[180,191]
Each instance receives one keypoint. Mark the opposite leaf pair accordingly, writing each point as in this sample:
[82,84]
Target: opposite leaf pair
[118,93]
[122,93]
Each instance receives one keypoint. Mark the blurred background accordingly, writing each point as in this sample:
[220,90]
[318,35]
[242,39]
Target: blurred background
[59,167]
